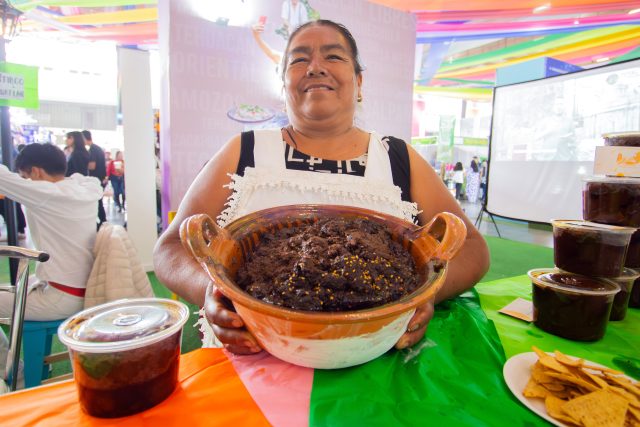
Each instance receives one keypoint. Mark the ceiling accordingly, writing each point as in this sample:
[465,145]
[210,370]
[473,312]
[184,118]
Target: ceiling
[463,42]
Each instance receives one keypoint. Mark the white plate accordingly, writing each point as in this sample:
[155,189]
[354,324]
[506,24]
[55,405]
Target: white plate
[517,372]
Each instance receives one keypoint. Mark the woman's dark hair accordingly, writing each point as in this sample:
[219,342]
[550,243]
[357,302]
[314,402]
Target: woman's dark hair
[458,167]
[474,166]
[78,140]
[78,143]
[339,28]
[46,156]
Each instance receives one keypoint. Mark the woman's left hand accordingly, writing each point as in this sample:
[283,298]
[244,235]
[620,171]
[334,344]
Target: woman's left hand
[417,326]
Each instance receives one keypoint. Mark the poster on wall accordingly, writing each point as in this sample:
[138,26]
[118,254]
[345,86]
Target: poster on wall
[445,138]
[18,86]
[293,13]
[222,74]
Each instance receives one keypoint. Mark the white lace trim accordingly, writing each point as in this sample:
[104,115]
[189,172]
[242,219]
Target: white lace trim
[340,188]
[209,339]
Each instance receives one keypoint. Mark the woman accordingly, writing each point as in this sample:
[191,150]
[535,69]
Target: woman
[78,161]
[115,173]
[473,181]
[458,179]
[322,80]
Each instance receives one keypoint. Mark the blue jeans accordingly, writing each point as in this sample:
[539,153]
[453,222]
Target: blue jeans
[117,183]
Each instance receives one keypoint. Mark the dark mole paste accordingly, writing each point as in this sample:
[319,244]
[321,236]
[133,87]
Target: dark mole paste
[335,264]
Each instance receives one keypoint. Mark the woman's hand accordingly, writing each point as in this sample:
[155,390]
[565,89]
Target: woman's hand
[227,324]
[417,326]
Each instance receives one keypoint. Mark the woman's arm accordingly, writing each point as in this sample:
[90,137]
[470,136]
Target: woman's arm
[468,266]
[182,274]
[432,196]
[173,265]
[257,31]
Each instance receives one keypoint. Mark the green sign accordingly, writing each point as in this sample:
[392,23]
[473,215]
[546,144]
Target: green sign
[445,138]
[19,86]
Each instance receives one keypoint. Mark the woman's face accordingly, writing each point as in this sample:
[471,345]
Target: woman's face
[320,81]
[69,142]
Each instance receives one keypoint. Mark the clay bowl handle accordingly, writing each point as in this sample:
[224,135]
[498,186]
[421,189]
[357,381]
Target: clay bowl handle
[442,237]
[208,243]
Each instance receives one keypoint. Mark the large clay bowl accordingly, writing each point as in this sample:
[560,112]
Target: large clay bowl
[325,340]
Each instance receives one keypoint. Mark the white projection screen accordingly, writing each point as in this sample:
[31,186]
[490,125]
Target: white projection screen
[543,138]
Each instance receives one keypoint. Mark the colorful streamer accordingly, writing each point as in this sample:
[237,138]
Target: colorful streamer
[628,34]
[25,5]
[149,14]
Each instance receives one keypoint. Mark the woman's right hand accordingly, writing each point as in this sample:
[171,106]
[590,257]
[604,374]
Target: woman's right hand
[227,325]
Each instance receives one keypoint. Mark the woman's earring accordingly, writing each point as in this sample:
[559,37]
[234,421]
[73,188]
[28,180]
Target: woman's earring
[359,98]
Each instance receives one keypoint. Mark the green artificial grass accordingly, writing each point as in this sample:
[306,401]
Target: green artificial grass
[508,258]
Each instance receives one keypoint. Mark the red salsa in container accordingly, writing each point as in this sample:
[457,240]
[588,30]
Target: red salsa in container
[125,354]
[570,305]
[589,248]
[612,200]
[622,139]
[621,301]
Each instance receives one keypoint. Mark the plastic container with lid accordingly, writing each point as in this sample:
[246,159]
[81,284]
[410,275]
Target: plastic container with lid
[125,354]
[622,139]
[570,305]
[621,301]
[612,200]
[633,254]
[589,248]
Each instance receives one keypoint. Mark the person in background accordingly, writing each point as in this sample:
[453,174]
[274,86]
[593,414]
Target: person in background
[98,169]
[78,160]
[322,78]
[484,170]
[458,179]
[293,15]
[115,172]
[473,181]
[61,215]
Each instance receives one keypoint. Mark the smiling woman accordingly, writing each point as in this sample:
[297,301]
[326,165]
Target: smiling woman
[322,79]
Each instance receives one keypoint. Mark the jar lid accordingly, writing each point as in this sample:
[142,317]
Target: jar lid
[123,325]
[612,179]
[571,282]
[577,224]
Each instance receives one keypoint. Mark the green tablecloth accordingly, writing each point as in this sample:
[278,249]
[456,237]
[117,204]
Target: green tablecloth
[454,376]
[619,349]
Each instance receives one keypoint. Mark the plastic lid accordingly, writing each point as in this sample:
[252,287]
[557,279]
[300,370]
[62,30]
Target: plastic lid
[620,134]
[123,325]
[607,287]
[627,274]
[612,179]
[591,226]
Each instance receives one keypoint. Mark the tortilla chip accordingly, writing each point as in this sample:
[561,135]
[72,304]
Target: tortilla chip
[549,361]
[602,369]
[628,385]
[598,409]
[568,361]
[574,380]
[533,389]
[554,408]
